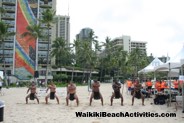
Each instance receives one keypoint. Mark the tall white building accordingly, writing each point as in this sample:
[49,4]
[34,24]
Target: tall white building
[139,44]
[128,45]
[63,27]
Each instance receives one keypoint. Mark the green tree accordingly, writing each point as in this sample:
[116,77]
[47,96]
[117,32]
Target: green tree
[4,33]
[48,19]
[33,32]
[61,51]
[137,59]
[104,60]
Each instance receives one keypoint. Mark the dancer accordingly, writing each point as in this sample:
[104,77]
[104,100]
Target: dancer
[96,92]
[116,87]
[52,93]
[32,95]
[71,93]
[137,92]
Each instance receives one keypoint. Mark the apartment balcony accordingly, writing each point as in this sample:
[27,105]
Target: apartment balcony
[45,5]
[6,55]
[9,2]
[10,23]
[9,9]
[43,48]
[10,29]
[8,17]
[9,40]
[8,47]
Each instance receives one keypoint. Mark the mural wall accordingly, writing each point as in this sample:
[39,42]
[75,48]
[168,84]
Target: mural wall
[25,50]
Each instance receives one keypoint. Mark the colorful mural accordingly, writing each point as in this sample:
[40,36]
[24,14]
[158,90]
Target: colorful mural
[25,50]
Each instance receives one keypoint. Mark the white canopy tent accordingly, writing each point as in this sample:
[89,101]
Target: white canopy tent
[173,62]
[151,67]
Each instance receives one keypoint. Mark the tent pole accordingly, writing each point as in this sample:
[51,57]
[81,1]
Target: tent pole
[169,84]
[182,88]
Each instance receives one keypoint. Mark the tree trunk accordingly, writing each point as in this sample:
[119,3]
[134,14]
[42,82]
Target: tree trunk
[72,74]
[46,74]
[4,67]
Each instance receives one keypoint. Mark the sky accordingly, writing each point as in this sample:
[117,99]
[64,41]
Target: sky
[160,23]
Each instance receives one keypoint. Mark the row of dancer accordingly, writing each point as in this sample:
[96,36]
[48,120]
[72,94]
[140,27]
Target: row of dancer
[96,94]
[71,93]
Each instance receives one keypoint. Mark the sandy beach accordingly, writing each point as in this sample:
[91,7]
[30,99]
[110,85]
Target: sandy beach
[17,111]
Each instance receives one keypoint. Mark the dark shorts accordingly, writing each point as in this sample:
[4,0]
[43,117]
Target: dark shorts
[149,87]
[72,97]
[129,88]
[52,95]
[117,94]
[96,95]
[0,87]
[162,89]
[138,94]
[32,96]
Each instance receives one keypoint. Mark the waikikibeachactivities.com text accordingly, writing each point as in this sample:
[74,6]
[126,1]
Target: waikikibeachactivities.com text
[123,114]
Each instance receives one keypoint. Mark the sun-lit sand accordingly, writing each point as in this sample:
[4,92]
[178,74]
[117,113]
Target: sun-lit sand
[17,111]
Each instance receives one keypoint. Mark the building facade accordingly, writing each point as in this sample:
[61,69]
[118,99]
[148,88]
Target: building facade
[129,45]
[139,44]
[84,34]
[63,27]
[23,57]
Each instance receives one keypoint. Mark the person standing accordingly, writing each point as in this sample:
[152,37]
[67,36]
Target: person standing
[149,85]
[129,85]
[176,83]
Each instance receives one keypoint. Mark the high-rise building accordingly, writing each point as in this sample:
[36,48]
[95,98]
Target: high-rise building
[139,44]
[84,34]
[23,57]
[128,45]
[63,27]
[123,41]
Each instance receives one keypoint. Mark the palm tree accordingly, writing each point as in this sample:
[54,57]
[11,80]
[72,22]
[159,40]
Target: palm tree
[136,59]
[33,31]
[48,20]
[89,58]
[106,58]
[4,33]
[61,51]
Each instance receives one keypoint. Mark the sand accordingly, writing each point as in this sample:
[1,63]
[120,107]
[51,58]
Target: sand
[17,111]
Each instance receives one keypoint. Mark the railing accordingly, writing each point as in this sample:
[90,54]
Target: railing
[8,16]
[9,1]
[9,8]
